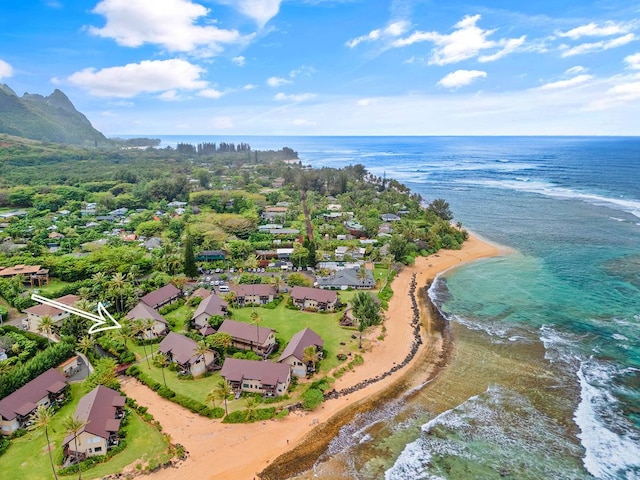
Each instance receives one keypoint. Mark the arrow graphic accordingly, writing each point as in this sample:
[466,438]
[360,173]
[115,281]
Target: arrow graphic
[102,318]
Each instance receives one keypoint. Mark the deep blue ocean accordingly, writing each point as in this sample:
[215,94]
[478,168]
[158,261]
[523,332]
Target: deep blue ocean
[554,327]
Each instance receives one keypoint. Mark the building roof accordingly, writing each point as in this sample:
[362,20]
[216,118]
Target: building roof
[212,305]
[267,373]
[98,409]
[43,309]
[300,341]
[143,311]
[201,292]
[245,331]
[181,348]
[160,295]
[261,289]
[347,277]
[317,294]
[19,270]
[23,400]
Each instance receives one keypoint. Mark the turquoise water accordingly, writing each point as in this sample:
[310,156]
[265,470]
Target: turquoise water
[546,383]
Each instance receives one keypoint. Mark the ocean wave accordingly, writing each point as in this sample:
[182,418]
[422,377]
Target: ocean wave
[548,189]
[612,448]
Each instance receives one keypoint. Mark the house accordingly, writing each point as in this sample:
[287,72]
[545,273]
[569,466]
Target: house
[340,252]
[101,411]
[284,253]
[69,367]
[201,292]
[268,378]
[270,226]
[249,337]
[162,296]
[347,278]
[390,217]
[152,243]
[354,228]
[314,298]
[182,351]
[258,293]
[37,312]
[293,354]
[144,312]
[210,306]
[33,274]
[284,231]
[17,408]
[210,256]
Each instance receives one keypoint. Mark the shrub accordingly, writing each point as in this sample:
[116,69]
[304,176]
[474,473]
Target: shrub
[312,398]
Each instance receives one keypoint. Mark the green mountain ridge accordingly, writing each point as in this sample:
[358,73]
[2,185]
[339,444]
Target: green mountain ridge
[48,119]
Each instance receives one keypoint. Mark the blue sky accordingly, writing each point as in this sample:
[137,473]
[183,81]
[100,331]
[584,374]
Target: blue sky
[332,67]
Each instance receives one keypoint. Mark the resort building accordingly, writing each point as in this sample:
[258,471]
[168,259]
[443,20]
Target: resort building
[162,296]
[267,378]
[69,367]
[210,256]
[144,312]
[101,410]
[209,307]
[257,294]
[16,409]
[293,354]
[182,351]
[348,278]
[249,337]
[318,299]
[34,275]
[37,312]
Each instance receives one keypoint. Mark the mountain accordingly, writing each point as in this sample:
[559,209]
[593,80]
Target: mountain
[48,119]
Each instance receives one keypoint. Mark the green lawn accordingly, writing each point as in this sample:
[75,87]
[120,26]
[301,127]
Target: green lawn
[55,284]
[180,317]
[27,458]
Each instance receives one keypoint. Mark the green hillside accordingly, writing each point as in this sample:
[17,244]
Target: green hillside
[48,119]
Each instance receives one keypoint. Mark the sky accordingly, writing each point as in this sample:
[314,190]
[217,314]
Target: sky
[332,67]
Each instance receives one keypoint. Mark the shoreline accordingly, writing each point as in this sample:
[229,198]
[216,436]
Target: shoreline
[283,448]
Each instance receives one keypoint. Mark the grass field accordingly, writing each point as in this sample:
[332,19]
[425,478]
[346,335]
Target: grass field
[28,459]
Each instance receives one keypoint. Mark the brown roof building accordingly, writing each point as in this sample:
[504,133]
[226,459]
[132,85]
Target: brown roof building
[17,408]
[142,311]
[33,274]
[314,298]
[101,410]
[257,293]
[267,378]
[210,306]
[293,354]
[162,296]
[35,313]
[182,351]
[249,337]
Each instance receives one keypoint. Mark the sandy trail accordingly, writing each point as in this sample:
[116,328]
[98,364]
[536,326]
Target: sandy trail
[241,451]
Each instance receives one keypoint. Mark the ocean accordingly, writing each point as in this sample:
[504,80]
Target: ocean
[545,382]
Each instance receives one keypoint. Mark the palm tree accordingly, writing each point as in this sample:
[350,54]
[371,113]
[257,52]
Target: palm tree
[200,350]
[42,418]
[255,318]
[162,361]
[311,356]
[139,328]
[117,284]
[45,325]
[366,311]
[85,344]
[221,391]
[251,406]
[73,426]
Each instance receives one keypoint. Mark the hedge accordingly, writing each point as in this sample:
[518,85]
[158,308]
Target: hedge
[242,416]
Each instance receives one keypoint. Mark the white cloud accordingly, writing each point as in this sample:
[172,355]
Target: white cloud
[210,93]
[249,86]
[575,70]
[624,92]
[466,41]
[260,11]
[394,29]
[148,76]
[302,70]
[597,46]
[299,97]
[169,96]
[239,60]
[594,30]
[6,70]
[633,61]
[572,82]
[276,82]
[460,78]
[365,102]
[171,24]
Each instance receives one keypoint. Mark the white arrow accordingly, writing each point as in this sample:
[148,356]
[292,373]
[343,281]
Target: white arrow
[103,317]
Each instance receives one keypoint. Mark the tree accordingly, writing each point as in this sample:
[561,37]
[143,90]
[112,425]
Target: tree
[74,426]
[190,268]
[220,341]
[42,419]
[440,208]
[46,324]
[255,318]
[221,391]
[162,362]
[310,356]
[366,311]
[104,373]
[140,328]
[201,349]
[250,408]
[85,344]
[117,286]
[398,247]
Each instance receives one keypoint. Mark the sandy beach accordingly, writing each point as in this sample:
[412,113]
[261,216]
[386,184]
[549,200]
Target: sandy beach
[243,451]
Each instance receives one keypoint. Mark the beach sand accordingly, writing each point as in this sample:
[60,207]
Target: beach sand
[244,451]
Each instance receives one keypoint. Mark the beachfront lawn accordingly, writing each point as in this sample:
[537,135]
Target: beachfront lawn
[27,457]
